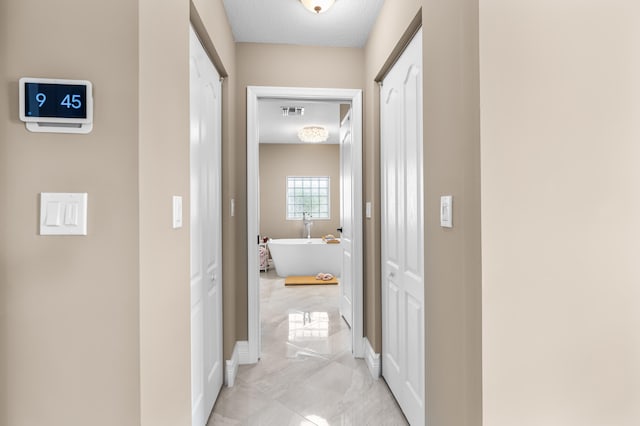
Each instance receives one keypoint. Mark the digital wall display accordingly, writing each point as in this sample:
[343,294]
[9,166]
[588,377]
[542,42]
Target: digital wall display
[55,100]
[55,105]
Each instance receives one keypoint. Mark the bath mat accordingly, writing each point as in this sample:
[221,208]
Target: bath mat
[307,280]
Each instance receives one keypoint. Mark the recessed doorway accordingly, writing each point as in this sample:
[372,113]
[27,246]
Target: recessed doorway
[351,180]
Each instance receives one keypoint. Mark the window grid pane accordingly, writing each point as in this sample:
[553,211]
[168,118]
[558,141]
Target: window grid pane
[308,194]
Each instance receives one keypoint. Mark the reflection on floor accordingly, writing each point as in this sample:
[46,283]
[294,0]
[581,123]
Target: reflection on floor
[306,375]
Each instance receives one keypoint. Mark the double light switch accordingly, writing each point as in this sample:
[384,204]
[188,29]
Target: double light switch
[63,213]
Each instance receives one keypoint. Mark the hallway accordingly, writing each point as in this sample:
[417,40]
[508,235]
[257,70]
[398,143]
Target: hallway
[306,375]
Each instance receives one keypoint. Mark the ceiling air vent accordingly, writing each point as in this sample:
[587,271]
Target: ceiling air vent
[292,111]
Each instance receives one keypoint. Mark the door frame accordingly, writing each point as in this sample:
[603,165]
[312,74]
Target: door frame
[353,96]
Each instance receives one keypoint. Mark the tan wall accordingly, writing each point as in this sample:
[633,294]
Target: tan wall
[96,329]
[280,65]
[4,246]
[561,202]
[164,171]
[277,161]
[451,166]
[70,305]
[165,355]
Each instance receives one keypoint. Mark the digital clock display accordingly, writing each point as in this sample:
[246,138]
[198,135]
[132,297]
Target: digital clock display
[55,100]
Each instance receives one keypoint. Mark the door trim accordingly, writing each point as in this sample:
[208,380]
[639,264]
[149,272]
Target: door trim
[354,96]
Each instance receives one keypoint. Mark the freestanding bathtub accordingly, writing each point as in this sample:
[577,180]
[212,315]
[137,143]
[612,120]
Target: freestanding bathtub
[305,256]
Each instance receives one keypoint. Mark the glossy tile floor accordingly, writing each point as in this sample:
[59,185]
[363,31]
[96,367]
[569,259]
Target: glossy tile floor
[307,375]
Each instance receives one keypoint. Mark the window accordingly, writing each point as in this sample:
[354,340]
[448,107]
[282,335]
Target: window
[308,194]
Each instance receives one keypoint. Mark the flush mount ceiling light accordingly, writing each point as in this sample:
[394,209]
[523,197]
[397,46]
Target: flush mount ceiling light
[317,6]
[313,134]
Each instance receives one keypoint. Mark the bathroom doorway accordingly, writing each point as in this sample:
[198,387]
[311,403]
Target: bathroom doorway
[348,104]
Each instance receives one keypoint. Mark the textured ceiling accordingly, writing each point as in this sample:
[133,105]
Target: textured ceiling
[346,24]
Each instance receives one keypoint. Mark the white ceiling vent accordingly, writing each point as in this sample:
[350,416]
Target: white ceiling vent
[292,111]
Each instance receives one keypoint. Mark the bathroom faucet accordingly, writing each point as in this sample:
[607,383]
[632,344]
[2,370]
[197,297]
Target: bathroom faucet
[306,220]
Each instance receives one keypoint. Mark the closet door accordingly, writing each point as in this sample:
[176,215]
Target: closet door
[206,234]
[403,339]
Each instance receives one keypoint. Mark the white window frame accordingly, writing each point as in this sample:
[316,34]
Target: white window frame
[313,215]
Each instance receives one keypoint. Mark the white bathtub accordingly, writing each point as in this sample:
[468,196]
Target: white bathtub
[305,256]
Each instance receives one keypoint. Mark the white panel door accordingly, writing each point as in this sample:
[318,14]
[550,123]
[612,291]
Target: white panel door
[403,338]
[346,220]
[206,235]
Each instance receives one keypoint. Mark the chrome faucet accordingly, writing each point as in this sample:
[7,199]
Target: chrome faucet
[306,220]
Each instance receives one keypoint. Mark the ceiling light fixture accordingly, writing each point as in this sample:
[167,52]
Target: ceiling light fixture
[317,6]
[313,134]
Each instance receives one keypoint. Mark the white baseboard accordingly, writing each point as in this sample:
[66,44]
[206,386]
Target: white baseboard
[239,356]
[372,359]
[243,352]
[231,367]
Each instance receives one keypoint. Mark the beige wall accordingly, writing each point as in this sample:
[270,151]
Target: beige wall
[280,65]
[561,202]
[4,247]
[451,162]
[277,161]
[70,305]
[96,329]
[163,170]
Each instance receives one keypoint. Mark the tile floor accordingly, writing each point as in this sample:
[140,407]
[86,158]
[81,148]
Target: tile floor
[306,375]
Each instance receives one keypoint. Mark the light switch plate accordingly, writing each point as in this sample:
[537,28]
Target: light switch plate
[446,211]
[63,213]
[177,212]
[367,210]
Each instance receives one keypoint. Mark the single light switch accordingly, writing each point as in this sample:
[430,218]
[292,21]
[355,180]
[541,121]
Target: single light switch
[367,209]
[52,214]
[63,213]
[233,207]
[177,212]
[71,214]
[446,211]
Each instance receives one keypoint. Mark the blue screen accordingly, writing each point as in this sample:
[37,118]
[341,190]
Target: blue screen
[55,100]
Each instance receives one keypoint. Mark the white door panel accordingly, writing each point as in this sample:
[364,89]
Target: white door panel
[415,360]
[392,354]
[197,365]
[346,220]
[403,339]
[206,236]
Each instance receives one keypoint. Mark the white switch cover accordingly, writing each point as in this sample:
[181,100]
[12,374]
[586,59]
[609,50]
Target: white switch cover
[367,210]
[233,207]
[63,213]
[446,211]
[177,212]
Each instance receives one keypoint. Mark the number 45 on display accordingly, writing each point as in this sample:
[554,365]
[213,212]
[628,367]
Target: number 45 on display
[71,101]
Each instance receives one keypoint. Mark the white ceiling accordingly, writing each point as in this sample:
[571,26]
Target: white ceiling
[346,24]
[274,128]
